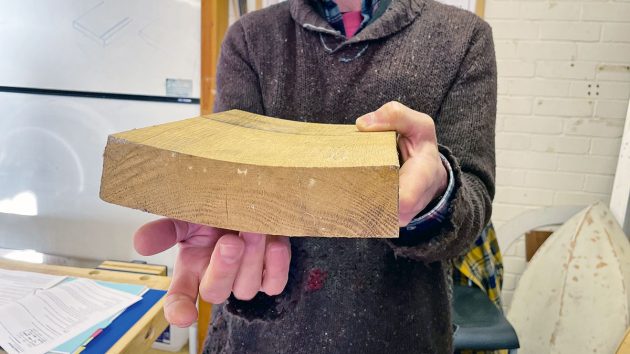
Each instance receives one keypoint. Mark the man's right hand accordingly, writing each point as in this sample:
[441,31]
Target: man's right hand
[214,263]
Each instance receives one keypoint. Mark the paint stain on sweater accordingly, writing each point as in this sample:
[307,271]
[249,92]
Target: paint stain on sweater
[316,279]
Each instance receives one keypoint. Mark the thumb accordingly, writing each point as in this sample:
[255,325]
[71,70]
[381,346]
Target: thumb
[392,116]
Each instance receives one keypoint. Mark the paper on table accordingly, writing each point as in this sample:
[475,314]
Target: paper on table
[40,322]
[17,284]
[71,345]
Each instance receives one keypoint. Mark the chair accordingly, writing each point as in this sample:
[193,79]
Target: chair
[478,323]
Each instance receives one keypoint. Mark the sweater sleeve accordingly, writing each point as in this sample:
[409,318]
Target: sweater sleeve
[465,128]
[237,82]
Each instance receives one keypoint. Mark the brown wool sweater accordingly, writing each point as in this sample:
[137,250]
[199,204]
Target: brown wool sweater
[365,295]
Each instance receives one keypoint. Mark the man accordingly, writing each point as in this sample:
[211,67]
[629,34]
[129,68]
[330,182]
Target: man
[418,67]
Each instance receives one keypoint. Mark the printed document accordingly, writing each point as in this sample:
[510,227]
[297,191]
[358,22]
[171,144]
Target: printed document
[38,323]
[17,284]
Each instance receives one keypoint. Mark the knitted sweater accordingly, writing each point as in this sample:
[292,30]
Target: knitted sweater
[365,295]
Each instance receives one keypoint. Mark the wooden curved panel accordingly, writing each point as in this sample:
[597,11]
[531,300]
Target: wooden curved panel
[247,172]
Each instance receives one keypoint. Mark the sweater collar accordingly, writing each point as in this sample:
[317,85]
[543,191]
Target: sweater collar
[398,15]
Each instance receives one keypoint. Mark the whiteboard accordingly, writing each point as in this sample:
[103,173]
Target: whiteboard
[137,47]
[51,157]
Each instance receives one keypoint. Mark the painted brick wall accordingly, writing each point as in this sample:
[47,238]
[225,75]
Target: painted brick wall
[564,85]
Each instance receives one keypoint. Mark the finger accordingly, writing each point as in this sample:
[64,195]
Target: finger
[155,237]
[413,190]
[394,116]
[179,305]
[277,261]
[218,279]
[196,235]
[249,276]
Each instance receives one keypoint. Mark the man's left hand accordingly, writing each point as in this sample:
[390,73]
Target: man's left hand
[422,175]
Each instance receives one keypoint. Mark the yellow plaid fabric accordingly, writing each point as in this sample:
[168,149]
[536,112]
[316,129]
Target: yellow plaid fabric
[482,266]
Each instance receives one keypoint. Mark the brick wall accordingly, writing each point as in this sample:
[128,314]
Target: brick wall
[564,85]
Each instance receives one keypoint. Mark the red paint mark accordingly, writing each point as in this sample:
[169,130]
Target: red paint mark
[316,279]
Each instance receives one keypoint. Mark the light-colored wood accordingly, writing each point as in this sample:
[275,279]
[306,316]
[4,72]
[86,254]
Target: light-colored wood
[247,172]
[184,350]
[214,23]
[203,322]
[151,269]
[574,296]
[143,334]
[480,8]
[151,281]
[624,346]
[140,336]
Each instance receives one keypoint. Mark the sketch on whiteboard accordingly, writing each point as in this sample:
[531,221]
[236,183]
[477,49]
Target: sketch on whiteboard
[123,47]
[102,22]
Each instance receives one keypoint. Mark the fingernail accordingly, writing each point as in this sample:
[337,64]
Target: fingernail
[170,309]
[366,120]
[230,253]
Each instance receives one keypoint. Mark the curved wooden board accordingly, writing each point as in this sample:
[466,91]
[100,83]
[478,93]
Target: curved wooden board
[247,172]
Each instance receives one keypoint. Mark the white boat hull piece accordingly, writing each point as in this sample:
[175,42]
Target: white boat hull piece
[574,296]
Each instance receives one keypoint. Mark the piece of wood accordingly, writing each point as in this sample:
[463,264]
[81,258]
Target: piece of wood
[533,241]
[130,267]
[246,172]
[624,346]
[144,332]
[184,350]
[204,319]
[214,23]
[480,8]
[152,281]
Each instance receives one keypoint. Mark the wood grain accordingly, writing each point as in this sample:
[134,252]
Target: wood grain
[247,172]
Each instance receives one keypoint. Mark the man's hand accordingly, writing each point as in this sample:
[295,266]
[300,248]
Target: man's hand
[422,175]
[214,263]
